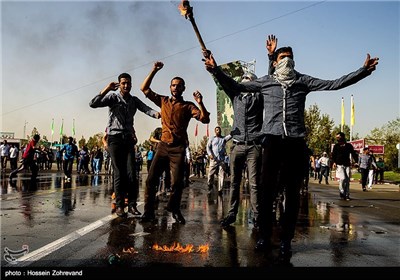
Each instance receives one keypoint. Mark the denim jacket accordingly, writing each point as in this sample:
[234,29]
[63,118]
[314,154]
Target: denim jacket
[284,107]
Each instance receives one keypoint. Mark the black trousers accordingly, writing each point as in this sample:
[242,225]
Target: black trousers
[122,154]
[282,168]
[174,156]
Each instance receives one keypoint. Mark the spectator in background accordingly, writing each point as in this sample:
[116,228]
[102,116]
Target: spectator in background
[14,157]
[149,157]
[98,158]
[372,170]
[343,154]
[84,158]
[216,152]
[71,152]
[380,170]
[59,157]
[324,163]
[28,159]
[4,154]
[317,168]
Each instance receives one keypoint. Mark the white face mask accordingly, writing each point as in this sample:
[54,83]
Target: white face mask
[285,66]
[284,71]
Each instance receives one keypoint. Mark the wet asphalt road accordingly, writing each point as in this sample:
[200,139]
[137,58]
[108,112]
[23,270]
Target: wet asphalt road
[58,225]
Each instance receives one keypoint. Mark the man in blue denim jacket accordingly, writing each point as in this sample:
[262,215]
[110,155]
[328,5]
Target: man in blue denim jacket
[284,93]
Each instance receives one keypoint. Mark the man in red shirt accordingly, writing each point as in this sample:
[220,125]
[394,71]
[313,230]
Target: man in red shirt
[28,159]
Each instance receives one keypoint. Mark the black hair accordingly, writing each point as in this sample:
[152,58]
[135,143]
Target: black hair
[124,75]
[36,137]
[282,50]
[178,78]
[342,135]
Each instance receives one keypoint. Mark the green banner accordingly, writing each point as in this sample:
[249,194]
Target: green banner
[224,105]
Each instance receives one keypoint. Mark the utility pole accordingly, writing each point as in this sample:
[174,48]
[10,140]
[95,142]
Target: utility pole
[23,136]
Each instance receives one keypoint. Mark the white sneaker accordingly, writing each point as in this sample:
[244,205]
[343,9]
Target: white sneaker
[370,188]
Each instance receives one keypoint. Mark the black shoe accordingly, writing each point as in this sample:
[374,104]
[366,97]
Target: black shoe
[177,215]
[342,196]
[230,219]
[120,212]
[134,211]
[262,245]
[285,251]
[146,217]
[364,189]
[348,198]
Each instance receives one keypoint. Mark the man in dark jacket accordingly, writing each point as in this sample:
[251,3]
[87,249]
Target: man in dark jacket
[284,94]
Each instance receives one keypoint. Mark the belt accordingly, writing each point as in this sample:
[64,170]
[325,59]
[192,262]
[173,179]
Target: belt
[173,144]
[254,142]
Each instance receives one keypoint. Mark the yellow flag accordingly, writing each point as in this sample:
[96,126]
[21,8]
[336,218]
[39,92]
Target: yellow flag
[342,122]
[352,111]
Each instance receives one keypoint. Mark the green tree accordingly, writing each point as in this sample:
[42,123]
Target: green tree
[95,140]
[312,117]
[389,136]
[318,130]
[81,142]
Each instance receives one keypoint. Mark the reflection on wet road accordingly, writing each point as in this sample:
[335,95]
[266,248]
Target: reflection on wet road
[70,225]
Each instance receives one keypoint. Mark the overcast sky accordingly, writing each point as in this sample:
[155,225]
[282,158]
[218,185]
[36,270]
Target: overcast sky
[56,56]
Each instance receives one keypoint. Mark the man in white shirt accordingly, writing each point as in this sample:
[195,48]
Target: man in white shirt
[5,154]
[13,157]
[324,163]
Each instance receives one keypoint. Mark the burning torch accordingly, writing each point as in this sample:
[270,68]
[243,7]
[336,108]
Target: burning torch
[187,12]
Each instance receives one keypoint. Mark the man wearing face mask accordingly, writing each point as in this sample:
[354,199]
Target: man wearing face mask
[284,94]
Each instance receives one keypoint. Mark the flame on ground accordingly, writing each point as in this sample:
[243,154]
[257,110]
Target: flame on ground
[130,250]
[176,247]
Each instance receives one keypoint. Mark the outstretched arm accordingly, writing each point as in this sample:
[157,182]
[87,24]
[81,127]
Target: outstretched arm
[370,63]
[225,81]
[145,87]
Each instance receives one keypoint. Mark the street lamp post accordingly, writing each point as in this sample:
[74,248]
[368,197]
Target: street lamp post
[24,129]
